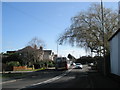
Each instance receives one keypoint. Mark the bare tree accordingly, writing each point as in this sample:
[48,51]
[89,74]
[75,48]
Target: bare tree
[36,43]
[86,30]
[33,52]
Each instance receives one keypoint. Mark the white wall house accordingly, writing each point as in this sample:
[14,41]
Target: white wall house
[115,53]
[48,55]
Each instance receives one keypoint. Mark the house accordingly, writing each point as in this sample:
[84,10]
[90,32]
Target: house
[55,56]
[10,52]
[48,55]
[71,57]
[32,55]
[115,53]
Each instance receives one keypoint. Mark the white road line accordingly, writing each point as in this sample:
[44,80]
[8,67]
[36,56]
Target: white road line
[10,81]
[43,82]
[52,79]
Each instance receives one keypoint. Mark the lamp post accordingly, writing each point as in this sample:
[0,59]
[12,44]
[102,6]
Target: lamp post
[57,48]
[102,27]
[119,15]
[58,43]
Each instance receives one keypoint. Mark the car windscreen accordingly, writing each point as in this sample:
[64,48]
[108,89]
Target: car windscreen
[78,64]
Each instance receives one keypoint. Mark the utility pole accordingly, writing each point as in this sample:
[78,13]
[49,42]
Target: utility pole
[119,15]
[102,26]
[57,47]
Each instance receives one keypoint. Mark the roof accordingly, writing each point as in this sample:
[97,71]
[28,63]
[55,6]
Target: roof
[11,51]
[47,51]
[114,34]
[26,48]
[29,48]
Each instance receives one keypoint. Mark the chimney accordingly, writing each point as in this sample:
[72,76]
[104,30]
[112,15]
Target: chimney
[41,48]
[35,46]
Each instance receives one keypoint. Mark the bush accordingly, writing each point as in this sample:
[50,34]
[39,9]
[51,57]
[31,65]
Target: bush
[41,64]
[13,63]
[51,64]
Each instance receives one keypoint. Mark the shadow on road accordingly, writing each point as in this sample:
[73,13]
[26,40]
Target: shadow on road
[97,80]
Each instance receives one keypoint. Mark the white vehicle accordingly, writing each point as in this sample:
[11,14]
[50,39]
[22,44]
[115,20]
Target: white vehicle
[78,65]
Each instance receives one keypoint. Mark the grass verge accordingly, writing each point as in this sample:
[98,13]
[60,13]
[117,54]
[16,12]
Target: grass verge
[9,75]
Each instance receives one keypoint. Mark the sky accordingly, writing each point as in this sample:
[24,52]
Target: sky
[22,21]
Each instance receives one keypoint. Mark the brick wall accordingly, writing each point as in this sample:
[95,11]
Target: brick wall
[19,68]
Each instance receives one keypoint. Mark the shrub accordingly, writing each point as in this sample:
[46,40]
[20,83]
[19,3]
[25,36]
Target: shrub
[13,63]
[51,64]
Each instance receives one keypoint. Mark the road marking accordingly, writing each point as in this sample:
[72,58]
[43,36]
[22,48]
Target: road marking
[43,82]
[47,81]
[52,79]
[10,81]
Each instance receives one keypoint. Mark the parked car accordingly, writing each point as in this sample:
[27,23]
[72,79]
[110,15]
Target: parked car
[90,64]
[78,65]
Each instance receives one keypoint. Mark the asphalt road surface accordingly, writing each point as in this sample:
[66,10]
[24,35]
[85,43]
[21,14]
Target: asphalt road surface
[72,78]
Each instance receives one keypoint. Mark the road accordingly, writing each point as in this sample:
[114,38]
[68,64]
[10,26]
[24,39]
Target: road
[50,78]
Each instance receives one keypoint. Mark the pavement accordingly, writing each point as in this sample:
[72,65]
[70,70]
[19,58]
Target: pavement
[98,80]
